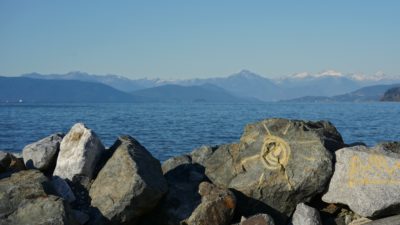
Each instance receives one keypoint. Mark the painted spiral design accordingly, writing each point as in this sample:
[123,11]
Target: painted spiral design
[275,152]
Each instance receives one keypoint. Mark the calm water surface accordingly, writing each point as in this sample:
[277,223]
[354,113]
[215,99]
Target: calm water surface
[172,129]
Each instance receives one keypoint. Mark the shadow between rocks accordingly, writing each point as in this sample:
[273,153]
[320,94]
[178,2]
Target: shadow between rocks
[80,186]
[247,206]
[182,197]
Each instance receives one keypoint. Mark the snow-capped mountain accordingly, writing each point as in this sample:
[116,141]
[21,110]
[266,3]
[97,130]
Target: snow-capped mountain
[244,83]
[379,76]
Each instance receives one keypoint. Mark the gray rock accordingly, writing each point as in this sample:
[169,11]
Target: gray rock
[27,184]
[216,208]
[201,155]
[259,219]
[130,184]
[174,162]
[42,155]
[393,220]
[80,152]
[277,164]
[41,210]
[367,180]
[306,215]
[62,188]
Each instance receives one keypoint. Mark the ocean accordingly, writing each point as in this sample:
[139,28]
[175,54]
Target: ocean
[168,130]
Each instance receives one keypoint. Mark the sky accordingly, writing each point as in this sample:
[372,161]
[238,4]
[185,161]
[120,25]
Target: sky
[187,38]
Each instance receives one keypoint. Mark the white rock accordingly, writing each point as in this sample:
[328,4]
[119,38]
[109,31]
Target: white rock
[80,151]
[367,180]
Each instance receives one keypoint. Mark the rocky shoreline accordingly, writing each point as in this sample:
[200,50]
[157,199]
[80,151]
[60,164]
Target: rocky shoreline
[280,172]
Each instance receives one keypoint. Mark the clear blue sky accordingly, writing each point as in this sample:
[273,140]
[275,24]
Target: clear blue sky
[184,39]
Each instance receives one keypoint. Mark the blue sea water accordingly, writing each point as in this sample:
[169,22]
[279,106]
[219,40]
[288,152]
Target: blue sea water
[171,129]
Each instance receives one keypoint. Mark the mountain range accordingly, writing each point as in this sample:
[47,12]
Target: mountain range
[244,86]
[25,89]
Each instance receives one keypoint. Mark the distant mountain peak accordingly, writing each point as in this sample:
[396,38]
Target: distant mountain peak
[301,75]
[378,76]
[325,73]
[246,74]
[76,72]
[245,71]
[331,73]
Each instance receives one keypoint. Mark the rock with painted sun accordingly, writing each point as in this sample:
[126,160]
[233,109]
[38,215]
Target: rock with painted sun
[277,164]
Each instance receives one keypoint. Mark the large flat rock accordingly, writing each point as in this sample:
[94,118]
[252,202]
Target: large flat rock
[20,186]
[278,163]
[80,151]
[43,210]
[367,180]
[130,184]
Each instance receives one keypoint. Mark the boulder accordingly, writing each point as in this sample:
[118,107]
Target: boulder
[259,219]
[277,164]
[27,184]
[174,162]
[367,180]
[41,210]
[42,155]
[80,151]
[130,184]
[201,155]
[10,164]
[306,215]
[216,208]
[62,189]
